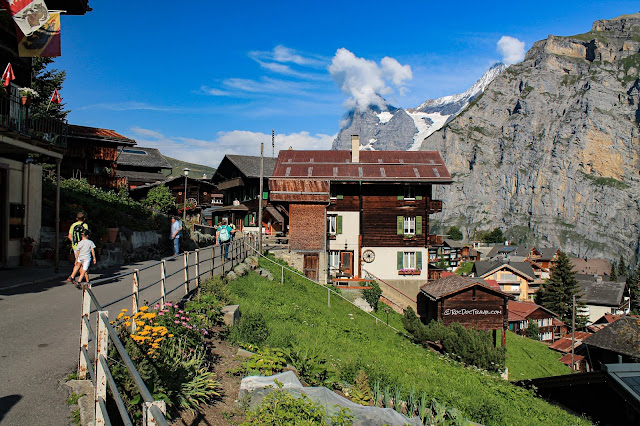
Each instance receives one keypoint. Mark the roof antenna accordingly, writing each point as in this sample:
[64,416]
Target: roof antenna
[273,144]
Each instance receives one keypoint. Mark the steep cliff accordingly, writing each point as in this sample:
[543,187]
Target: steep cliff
[550,152]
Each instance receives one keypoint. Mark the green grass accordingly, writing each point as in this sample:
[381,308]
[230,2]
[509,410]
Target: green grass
[464,268]
[529,359]
[296,313]
[73,399]
[195,170]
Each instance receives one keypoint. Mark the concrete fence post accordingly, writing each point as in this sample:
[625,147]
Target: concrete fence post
[135,297]
[147,417]
[84,333]
[185,258]
[282,275]
[213,252]
[197,261]
[163,279]
[102,346]
[222,259]
[328,297]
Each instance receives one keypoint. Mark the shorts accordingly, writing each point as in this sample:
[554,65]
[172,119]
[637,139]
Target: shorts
[85,263]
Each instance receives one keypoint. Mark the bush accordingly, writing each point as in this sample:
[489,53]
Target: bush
[160,199]
[468,345]
[252,329]
[266,362]
[372,295]
[533,331]
[312,368]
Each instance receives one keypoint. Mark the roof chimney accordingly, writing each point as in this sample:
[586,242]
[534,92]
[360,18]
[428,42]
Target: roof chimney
[355,148]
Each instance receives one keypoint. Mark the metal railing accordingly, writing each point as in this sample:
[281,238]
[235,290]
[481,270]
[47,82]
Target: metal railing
[15,116]
[105,334]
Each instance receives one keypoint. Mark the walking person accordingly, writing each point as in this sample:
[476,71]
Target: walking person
[75,236]
[85,253]
[176,233]
[223,236]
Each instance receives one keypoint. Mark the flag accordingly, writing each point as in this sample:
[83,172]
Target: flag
[29,15]
[7,76]
[43,42]
[55,98]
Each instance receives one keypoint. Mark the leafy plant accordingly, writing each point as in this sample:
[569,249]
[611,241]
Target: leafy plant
[372,295]
[361,393]
[266,362]
[312,368]
[73,398]
[160,199]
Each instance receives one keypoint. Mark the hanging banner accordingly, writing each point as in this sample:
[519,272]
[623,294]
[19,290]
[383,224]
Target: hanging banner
[29,15]
[56,98]
[44,42]
[8,75]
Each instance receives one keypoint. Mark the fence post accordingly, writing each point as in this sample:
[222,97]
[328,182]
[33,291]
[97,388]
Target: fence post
[197,268]
[84,333]
[135,298]
[101,376]
[222,259]
[185,258]
[147,417]
[328,297]
[282,275]
[163,279]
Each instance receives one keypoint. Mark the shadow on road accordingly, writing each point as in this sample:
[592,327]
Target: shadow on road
[6,403]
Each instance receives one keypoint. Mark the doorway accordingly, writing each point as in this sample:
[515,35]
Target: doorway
[311,262]
[346,263]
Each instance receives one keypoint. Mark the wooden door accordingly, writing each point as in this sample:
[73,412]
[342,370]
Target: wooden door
[346,262]
[311,263]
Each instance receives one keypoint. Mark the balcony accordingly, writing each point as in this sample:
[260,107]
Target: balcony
[435,240]
[15,117]
[434,206]
[107,182]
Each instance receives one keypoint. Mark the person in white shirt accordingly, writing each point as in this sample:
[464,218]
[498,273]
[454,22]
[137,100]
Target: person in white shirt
[176,233]
[85,253]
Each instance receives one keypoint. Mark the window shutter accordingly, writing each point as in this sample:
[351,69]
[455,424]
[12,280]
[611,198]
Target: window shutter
[399,260]
[418,225]
[400,225]
[340,197]
[418,197]
[419,260]
[265,195]
[246,220]
[339,225]
[215,222]
[400,197]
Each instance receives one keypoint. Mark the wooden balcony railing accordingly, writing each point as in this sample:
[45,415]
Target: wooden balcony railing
[434,206]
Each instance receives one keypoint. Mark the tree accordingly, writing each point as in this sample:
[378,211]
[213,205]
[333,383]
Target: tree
[494,236]
[533,331]
[558,291]
[614,273]
[160,199]
[633,281]
[442,263]
[622,267]
[454,233]
[45,81]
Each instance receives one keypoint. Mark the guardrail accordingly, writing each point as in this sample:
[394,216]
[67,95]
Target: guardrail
[105,334]
[371,276]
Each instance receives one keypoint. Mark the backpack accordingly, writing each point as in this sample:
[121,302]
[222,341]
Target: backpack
[76,235]
[225,235]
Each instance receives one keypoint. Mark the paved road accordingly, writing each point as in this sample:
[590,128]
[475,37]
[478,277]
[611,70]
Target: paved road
[39,336]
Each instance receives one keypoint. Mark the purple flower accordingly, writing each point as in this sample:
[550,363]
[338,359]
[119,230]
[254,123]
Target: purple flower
[182,318]
[177,316]
[181,311]
[160,313]
[177,322]
[189,327]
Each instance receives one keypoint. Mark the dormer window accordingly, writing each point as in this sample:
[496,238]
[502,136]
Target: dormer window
[409,192]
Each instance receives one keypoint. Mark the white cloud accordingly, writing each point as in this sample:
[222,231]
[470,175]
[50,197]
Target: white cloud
[364,81]
[211,152]
[129,106]
[285,54]
[511,49]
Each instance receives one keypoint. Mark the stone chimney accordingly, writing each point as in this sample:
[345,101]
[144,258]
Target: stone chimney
[355,148]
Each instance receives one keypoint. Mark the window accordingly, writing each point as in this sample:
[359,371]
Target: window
[332,225]
[409,226]
[334,260]
[333,193]
[409,260]
[409,192]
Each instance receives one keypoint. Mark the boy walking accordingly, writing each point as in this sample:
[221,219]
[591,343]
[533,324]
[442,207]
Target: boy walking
[223,236]
[85,253]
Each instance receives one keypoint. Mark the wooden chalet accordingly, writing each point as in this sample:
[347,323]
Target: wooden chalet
[92,153]
[601,296]
[522,313]
[618,342]
[201,194]
[353,213]
[470,302]
[238,177]
[516,278]
[453,252]
[141,165]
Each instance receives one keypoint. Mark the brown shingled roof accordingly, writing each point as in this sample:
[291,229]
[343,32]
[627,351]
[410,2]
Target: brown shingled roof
[414,166]
[97,133]
[452,284]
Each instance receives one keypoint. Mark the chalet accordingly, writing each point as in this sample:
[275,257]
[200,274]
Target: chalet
[238,177]
[619,342]
[522,313]
[564,345]
[353,213]
[140,165]
[470,302]
[602,296]
[453,252]
[516,278]
[92,153]
[201,194]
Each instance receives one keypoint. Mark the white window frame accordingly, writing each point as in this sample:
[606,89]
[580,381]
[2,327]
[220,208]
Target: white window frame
[409,192]
[334,260]
[409,260]
[332,224]
[409,225]
[333,193]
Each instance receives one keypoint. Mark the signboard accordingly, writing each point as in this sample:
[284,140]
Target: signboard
[451,311]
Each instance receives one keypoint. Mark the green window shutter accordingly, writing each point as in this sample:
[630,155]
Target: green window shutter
[265,195]
[419,260]
[400,197]
[400,225]
[399,260]
[340,197]
[418,225]
[246,220]
[215,222]
[339,225]
[418,197]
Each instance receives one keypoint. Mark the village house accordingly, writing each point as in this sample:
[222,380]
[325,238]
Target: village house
[472,303]
[453,253]
[602,297]
[141,165]
[515,278]
[359,213]
[238,177]
[564,345]
[618,342]
[522,313]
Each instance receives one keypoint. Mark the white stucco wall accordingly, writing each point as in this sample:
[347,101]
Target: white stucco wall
[350,232]
[385,264]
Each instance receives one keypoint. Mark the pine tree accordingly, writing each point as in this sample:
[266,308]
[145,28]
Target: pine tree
[455,233]
[614,273]
[45,81]
[557,293]
[622,267]
[633,281]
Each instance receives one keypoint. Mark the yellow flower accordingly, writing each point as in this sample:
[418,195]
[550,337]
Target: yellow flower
[127,317]
[155,346]
[171,335]
[137,338]
[148,327]
[150,352]
[144,308]
[159,339]
[140,323]
[120,315]
[127,324]
[143,333]
[149,315]
[125,310]
[137,314]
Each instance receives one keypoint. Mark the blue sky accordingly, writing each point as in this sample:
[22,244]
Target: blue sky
[206,79]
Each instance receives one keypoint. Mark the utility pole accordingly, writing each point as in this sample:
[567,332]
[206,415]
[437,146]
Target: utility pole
[260,197]
[573,331]
[273,144]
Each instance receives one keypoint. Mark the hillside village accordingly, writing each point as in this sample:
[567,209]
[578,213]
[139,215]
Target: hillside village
[374,229]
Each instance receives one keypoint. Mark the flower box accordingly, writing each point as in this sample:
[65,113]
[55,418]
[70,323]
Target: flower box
[409,272]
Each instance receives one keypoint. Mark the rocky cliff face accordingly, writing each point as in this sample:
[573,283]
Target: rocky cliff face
[551,152]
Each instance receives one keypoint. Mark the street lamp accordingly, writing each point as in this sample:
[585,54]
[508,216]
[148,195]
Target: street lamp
[184,210]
